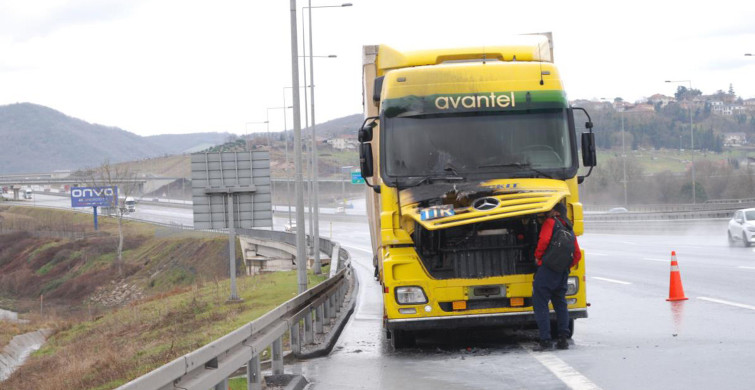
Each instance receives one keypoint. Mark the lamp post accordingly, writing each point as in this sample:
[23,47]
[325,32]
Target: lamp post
[692,139]
[246,127]
[315,189]
[270,145]
[301,263]
[624,158]
[314,208]
[623,151]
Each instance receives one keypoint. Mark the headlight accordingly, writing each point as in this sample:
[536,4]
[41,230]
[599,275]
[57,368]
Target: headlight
[751,228]
[410,295]
[572,285]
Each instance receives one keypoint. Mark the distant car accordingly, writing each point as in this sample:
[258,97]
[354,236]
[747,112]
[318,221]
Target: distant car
[340,210]
[618,210]
[290,227]
[742,227]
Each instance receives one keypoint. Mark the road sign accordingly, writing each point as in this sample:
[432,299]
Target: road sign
[94,196]
[245,176]
[356,177]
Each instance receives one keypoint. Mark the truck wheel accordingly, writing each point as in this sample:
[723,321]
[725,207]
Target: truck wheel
[401,339]
[554,329]
[744,240]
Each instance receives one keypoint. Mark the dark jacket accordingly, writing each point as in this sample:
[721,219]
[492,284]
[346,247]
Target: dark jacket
[545,238]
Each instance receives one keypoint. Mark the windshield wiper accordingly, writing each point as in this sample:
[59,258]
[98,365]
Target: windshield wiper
[516,165]
[430,179]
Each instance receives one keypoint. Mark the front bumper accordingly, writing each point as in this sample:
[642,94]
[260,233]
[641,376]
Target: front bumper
[474,320]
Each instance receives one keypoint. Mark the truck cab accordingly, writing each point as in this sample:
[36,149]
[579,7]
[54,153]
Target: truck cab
[130,204]
[464,151]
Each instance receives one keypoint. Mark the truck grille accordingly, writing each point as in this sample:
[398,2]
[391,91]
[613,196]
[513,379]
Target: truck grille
[476,251]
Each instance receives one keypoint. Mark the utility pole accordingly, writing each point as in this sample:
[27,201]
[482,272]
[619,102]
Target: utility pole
[301,256]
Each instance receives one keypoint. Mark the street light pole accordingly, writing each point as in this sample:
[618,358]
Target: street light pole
[270,146]
[301,260]
[624,158]
[246,128]
[691,137]
[315,167]
[288,178]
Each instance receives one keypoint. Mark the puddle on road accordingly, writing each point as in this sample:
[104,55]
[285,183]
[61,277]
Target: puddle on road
[677,315]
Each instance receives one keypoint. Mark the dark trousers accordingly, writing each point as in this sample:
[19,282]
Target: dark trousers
[550,286]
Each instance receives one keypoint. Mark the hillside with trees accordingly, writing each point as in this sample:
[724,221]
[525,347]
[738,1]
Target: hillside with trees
[39,139]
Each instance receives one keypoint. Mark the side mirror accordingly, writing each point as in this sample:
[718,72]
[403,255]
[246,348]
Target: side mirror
[589,156]
[365,160]
[365,133]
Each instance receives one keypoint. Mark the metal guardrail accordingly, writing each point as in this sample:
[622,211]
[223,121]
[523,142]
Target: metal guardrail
[662,216]
[210,367]
[713,204]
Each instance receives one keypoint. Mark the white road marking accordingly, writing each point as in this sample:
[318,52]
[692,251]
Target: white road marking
[566,373]
[591,253]
[655,259]
[610,280]
[721,301]
[745,267]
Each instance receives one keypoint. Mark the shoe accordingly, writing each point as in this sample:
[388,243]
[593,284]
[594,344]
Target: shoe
[543,345]
[562,343]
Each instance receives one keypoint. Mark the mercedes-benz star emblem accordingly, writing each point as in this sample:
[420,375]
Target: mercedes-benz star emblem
[484,204]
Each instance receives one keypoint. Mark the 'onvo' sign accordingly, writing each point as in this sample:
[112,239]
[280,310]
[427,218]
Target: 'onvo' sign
[94,196]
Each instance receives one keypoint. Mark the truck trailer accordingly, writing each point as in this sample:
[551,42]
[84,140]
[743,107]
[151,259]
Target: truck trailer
[463,151]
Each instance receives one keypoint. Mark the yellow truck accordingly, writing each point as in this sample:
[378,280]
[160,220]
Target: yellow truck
[463,151]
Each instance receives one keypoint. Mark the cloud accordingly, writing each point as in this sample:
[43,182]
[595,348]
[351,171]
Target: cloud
[20,25]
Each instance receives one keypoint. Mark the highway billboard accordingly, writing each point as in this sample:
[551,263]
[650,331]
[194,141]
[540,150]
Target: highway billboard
[94,196]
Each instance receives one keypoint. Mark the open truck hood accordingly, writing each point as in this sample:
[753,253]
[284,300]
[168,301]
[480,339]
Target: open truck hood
[501,199]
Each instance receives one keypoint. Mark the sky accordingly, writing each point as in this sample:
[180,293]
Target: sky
[183,66]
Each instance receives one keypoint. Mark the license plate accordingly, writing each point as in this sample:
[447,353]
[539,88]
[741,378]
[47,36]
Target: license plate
[459,305]
[436,212]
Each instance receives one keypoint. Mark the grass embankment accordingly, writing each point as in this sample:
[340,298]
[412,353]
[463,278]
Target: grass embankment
[111,327]
[76,272]
[107,351]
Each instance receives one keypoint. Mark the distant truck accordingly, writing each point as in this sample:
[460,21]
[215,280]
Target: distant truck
[27,193]
[130,203]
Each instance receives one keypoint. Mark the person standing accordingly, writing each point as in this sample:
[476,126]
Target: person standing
[556,253]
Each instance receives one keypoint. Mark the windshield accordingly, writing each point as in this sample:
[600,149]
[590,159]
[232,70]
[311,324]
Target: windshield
[511,144]
[750,215]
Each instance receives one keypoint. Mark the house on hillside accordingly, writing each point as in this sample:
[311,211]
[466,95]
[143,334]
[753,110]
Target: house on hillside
[343,143]
[660,98]
[735,139]
[641,108]
[720,108]
[749,104]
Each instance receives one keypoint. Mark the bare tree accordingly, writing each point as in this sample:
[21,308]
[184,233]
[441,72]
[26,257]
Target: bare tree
[119,176]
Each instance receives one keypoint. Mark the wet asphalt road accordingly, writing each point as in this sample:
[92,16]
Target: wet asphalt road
[633,339]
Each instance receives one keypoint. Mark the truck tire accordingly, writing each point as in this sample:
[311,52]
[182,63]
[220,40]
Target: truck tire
[401,339]
[554,329]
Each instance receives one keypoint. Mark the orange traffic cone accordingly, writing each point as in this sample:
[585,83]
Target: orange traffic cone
[675,291]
